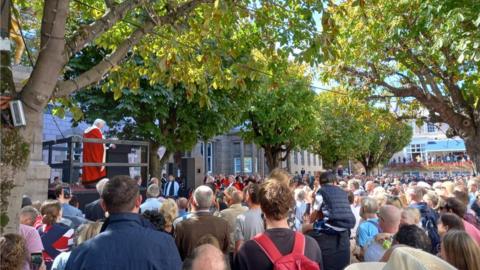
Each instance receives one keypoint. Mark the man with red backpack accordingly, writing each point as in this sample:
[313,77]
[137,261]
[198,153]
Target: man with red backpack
[279,247]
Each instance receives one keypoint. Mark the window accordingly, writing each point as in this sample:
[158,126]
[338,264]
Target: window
[295,158]
[237,165]
[309,159]
[416,152]
[247,165]
[236,149]
[209,162]
[314,160]
[416,148]
[439,174]
[303,157]
[202,146]
[431,128]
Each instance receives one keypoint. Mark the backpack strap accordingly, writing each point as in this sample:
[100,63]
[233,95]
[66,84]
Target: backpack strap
[268,247]
[299,244]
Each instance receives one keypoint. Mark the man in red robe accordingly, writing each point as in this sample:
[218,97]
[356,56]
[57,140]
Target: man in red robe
[94,152]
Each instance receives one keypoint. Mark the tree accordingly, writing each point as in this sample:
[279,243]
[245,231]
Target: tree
[416,51]
[281,117]
[171,30]
[386,136]
[340,129]
[350,128]
[163,116]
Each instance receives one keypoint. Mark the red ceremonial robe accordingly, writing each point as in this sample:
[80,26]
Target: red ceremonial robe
[93,152]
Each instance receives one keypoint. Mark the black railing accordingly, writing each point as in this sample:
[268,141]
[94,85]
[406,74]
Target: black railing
[74,148]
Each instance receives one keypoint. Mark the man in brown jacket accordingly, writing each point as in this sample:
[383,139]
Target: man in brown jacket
[200,224]
[235,208]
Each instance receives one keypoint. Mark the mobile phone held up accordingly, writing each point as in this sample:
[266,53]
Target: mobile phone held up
[67,193]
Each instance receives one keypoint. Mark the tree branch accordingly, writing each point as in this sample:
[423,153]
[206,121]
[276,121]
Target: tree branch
[95,74]
[36,93]
[446,112]
[88,33]
[110,3]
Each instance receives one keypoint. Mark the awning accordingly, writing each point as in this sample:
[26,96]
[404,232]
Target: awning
[451,145]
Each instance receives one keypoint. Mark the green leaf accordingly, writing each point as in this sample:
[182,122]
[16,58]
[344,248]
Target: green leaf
[117,93]
[59,112]
[461,57]
[477,21]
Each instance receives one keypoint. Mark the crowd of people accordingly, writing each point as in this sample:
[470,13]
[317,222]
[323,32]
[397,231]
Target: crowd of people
[280,222]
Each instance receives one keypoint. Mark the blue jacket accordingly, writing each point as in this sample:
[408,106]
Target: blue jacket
[127,241]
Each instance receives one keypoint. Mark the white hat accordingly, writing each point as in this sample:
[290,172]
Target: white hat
[366,266]
[424,185]
[406,258]
[413,258]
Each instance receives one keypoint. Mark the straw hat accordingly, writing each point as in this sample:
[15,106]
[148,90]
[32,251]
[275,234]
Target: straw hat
[366,266]
[406,258]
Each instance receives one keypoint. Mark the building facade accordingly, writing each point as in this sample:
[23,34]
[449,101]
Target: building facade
[230,154]
[431,154]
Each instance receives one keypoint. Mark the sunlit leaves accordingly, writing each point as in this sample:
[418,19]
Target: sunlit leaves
[411,38]
[350,128]
[282,113]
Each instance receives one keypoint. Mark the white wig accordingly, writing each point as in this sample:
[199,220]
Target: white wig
[98,122]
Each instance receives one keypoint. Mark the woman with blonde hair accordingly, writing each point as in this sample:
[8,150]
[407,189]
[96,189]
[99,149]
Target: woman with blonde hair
[459,249]
[169,210]
[410,216]
[431,198]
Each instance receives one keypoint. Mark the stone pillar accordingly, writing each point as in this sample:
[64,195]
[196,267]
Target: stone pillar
[242,156]
[38,172]
[254,158]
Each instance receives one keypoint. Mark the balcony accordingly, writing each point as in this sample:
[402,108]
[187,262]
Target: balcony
[432,166]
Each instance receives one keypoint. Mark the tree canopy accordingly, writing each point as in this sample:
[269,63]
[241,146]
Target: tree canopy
[386,136]
[162,115]
[350,128]
[340,129]
[409,52]
[281,117]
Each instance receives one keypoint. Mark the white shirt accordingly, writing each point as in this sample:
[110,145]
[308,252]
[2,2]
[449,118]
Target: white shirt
[176,187]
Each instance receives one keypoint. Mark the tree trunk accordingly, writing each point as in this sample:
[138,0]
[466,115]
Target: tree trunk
[156,164]
[165,158]
[472,145]
[36,94]
[272,157]
[367,165]
[368,170]
[155,169]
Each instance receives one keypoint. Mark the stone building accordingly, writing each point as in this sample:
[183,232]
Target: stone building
[230,154]
[431,154]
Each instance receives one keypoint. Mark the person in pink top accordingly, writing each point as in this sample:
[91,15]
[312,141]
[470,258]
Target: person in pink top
[455,206]
[34,246]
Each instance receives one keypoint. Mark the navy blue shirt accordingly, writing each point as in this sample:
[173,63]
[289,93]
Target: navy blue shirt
[127,241]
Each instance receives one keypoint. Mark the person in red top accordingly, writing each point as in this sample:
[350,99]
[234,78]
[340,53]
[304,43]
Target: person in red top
[239,183]
[94,152]
[225,181]
[56,237]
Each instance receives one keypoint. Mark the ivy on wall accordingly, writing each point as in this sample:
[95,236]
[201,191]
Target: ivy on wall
[14,155]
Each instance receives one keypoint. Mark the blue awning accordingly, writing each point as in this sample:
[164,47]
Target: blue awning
[453,145]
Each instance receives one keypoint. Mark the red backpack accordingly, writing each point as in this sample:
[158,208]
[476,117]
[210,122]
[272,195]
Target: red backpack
[293,261]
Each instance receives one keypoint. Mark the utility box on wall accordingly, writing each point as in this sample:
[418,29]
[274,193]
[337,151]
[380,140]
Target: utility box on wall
[199,170]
